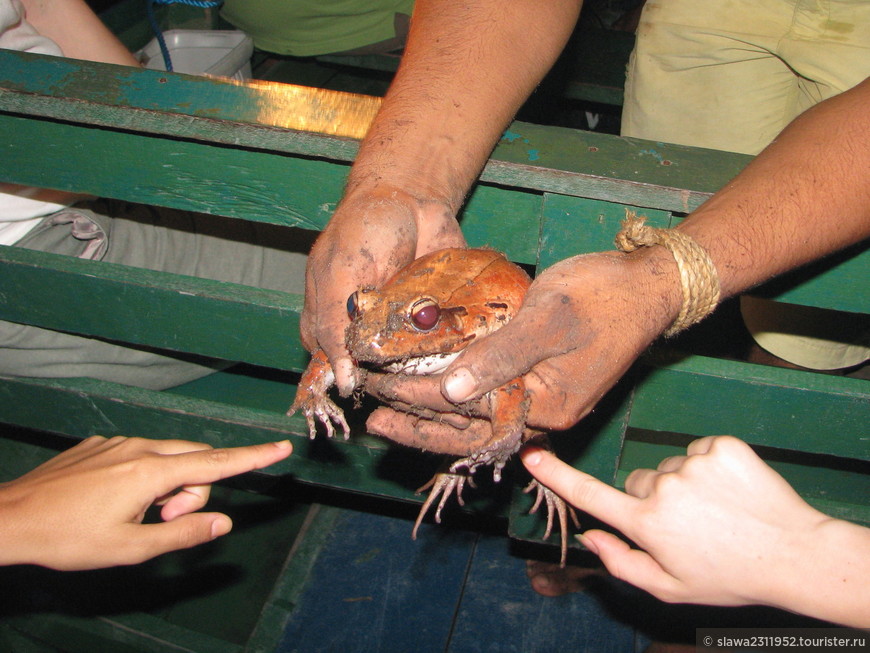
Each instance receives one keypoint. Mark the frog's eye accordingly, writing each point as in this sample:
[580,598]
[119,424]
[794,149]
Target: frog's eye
[425,314]
[352,306]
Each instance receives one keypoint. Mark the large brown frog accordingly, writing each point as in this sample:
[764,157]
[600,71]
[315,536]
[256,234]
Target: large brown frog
[417,323]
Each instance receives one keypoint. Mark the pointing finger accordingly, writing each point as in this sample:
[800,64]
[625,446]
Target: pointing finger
[581,490]
[208,466]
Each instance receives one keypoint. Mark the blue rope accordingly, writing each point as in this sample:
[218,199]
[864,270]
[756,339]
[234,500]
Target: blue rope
[155,26]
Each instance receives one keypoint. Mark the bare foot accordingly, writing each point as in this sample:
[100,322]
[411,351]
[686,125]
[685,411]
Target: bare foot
[549,579]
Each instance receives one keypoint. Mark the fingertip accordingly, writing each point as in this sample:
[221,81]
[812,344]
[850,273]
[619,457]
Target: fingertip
[588,542]
[345,375]
[220,525]
[284,446]
[532,456]
[459,385]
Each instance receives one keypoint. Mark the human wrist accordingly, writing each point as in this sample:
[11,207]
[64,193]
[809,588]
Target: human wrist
[13,540]
[833,586]
[653,284]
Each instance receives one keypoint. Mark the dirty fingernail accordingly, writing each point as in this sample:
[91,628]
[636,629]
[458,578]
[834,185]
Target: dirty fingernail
[459,385]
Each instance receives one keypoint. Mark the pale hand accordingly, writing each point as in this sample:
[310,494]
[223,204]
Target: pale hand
[83,509]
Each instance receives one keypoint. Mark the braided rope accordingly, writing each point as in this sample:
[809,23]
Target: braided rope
[699,280]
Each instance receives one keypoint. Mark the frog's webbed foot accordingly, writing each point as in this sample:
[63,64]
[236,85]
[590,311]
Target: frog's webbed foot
[556,506]
[443,484]
[313,401]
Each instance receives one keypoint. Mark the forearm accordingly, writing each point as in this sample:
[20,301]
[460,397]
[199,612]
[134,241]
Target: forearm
[77,30]
[826,575]
[466,70]
[805,196]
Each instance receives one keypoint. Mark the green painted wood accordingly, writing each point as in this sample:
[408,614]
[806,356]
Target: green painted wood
[84,407]
[240,182]
[157,309]
[836,486]
[293,578]
[576,225]
[530,156]
[775,407]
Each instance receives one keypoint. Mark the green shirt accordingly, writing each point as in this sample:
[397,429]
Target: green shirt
[307,28]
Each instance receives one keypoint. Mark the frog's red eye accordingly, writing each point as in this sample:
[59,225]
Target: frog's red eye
[352,306]
[425,314]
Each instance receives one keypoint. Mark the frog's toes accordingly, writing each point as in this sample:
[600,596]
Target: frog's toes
[496,454]
[555,506]
[326,412]
[443,484]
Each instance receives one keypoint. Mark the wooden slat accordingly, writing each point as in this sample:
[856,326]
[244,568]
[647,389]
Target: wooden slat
[775,407]
[157,309]
[84,407]
[251,114]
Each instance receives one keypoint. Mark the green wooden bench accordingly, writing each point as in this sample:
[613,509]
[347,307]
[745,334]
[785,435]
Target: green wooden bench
[228,148]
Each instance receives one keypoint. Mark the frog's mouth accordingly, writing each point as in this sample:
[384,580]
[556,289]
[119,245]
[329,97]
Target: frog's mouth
[430,364]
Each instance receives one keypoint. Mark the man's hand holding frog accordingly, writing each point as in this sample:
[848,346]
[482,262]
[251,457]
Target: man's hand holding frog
[582,324]
[372,234]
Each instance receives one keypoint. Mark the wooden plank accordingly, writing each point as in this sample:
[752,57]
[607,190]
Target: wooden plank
[212,178]
[373,588]
[253,114]
[84,407]
[576,225]
[158,309]
[499,600]
[775,407]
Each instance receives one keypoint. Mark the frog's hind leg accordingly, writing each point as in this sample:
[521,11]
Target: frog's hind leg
[443,484]
[509,406]
[556,507]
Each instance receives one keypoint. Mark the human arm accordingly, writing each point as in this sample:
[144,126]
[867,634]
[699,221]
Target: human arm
[83,509]
[720,527]
[466,69]
[586,319]
[77,30]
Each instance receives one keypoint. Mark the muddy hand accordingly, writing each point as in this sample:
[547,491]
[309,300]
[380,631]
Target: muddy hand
[371,235]
[582,324]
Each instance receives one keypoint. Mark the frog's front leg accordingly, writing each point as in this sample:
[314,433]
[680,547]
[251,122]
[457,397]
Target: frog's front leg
[443,484]
[509,406]
[313,401]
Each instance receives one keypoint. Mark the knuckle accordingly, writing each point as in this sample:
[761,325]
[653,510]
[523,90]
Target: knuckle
[217,457]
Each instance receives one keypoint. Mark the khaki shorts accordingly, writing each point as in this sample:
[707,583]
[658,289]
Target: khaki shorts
[209,247]
[730,75]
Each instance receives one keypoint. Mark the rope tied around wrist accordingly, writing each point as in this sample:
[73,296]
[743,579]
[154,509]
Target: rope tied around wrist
[699,280]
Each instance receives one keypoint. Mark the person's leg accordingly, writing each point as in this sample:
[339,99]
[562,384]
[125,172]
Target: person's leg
[159,239]
[707,75]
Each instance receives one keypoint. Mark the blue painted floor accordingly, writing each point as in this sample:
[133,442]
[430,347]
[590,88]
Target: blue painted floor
[374,590]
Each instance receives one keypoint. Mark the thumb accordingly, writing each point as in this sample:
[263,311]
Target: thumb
[494,360]
[183,532]
[631,565]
